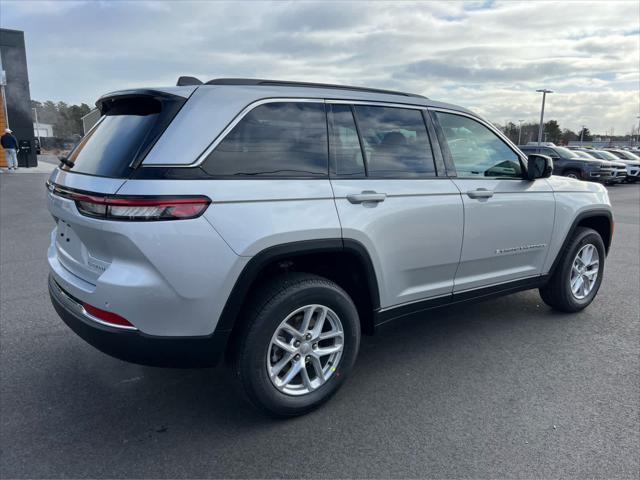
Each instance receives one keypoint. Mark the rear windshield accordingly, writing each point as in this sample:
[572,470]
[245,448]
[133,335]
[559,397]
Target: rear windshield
[123,136]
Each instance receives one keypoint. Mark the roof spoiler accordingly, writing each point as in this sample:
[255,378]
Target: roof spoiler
[105,102]
[185,81]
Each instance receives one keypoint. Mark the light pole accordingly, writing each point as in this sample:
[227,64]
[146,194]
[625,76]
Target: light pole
[581,134]
[35,111]
[638,132]
[544,92]
[520,131]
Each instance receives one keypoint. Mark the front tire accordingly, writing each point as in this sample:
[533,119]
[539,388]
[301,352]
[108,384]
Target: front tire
[578,276]
[300,340]
[573,174]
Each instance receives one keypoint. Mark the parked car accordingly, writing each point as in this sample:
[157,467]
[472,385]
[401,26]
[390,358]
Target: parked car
[632,162]
[274,222]
[571,164]
[620,167]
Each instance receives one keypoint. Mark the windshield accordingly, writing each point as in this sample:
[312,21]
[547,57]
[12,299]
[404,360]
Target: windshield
[566,153]
[608,156]
[583,154]
[628,155]
[125,133]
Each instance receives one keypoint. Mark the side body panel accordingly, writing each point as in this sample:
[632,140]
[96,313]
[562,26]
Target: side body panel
[413,237]
[506,236]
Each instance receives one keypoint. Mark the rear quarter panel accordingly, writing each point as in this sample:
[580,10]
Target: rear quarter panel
[255,214]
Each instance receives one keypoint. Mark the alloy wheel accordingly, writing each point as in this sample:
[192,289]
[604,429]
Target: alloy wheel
[584,271]
[305,350]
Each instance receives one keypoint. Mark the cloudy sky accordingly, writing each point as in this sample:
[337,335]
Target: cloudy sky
[487,56]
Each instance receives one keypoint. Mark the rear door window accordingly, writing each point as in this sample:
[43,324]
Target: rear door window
[395,141]
[123,136]
[346,153]
[280,139]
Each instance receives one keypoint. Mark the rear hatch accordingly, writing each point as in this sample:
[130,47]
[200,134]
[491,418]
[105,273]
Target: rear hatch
[131,123]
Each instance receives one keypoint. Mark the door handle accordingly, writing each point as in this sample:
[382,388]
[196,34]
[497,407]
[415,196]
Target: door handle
[480,193]
[366,196]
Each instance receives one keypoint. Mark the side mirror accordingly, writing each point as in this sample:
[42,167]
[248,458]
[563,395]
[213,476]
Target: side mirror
[539,166]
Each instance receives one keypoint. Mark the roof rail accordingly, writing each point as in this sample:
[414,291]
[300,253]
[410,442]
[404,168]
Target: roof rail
[286,83]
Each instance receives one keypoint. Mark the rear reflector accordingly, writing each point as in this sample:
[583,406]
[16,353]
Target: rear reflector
[136,208]
[106,317]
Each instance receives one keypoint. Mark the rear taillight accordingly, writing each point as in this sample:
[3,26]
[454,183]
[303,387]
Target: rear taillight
[135,208]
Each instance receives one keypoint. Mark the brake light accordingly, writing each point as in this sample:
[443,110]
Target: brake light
[137,208]
[106,317]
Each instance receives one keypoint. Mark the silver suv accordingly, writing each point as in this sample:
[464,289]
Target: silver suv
[274,222]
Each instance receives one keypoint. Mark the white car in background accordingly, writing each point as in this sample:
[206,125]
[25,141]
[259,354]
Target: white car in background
[631,160]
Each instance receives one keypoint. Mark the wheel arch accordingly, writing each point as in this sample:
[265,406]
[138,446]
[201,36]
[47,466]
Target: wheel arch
[600,220]
[572,168]
[344,261]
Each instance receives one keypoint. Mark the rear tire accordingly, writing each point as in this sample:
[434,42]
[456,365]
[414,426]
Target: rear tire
[578,275]
[275,343]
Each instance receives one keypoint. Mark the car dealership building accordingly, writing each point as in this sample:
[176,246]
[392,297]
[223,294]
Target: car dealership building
[15,99]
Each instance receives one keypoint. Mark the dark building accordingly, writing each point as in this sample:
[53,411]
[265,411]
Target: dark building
[15,100]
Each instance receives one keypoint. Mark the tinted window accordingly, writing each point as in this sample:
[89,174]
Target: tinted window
[346,154]
[275,139]
[128,129]
[476,150]
[396,142]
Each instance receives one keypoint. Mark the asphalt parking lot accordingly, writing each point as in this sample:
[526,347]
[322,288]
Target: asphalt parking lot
[505,388]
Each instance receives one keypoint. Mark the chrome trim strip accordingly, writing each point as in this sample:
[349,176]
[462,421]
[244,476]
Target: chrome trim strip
[76,307]
[202,157]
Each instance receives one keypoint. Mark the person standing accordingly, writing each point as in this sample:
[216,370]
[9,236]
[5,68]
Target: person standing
[10,145]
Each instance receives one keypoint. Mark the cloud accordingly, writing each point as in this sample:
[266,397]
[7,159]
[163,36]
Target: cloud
[488,56]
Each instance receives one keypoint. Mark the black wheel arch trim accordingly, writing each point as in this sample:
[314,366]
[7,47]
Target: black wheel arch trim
[601,212]
[266,257]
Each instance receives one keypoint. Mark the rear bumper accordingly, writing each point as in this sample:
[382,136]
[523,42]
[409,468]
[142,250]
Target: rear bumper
[135,346]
